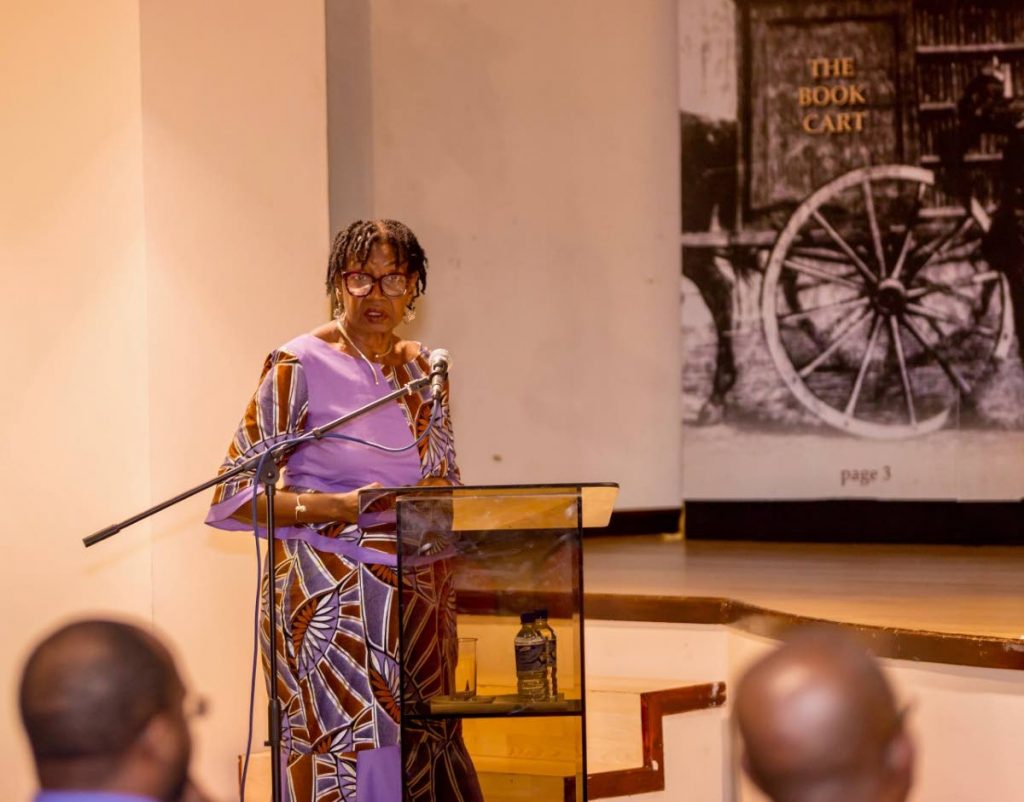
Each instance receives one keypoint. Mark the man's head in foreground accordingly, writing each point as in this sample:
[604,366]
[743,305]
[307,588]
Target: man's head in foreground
[819,723]
[103,706]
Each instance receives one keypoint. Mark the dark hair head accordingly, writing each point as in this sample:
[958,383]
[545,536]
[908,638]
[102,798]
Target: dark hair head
[818,713]
[89,689]
[977,107]
[354,244]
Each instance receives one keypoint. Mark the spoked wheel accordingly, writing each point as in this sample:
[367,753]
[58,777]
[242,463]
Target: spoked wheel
[879,309]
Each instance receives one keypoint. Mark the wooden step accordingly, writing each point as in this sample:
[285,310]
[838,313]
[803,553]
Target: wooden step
[498,787]
[649,775]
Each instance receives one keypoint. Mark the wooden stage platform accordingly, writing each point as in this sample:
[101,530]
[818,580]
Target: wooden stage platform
[951,604]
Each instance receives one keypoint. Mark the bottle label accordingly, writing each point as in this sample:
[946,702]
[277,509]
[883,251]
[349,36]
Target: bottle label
[530,655]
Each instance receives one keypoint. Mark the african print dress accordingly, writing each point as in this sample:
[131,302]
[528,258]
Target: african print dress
[335,586]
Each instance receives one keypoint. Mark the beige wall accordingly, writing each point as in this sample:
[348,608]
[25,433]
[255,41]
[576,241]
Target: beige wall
[73,417]
[349,110]
[164,178]
[533,147]
[235,165]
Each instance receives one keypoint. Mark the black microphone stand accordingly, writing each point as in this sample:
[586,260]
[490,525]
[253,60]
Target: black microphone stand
[268,476]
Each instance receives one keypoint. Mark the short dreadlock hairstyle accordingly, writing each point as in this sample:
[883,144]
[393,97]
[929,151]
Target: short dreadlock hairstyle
[354,243]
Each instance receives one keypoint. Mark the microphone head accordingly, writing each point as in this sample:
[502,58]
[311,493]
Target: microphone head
[439,359]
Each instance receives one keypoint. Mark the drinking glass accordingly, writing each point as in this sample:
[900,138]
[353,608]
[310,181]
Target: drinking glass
[465,670]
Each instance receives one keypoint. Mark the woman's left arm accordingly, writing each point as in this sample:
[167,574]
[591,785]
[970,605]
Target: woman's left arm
[448,472]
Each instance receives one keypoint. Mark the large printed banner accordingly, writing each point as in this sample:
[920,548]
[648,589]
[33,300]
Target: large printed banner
[853,248]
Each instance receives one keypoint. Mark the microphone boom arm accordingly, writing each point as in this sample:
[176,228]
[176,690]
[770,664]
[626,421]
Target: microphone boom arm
[251,463]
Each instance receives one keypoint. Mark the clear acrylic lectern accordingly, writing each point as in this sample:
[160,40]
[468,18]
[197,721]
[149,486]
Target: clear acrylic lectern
[476,566]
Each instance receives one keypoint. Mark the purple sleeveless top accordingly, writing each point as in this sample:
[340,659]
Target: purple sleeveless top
[307,383]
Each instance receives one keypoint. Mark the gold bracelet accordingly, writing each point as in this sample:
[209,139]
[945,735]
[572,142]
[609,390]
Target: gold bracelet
[299,507]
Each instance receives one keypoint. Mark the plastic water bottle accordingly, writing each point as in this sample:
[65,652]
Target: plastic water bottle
[530,651]
[550,652]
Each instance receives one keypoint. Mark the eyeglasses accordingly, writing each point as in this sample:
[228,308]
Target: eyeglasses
[360,284]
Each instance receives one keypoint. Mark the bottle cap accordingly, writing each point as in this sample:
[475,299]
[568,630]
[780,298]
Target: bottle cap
[542,613]
[527,618]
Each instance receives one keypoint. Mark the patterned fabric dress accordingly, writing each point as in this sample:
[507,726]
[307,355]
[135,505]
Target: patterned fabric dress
[336,584]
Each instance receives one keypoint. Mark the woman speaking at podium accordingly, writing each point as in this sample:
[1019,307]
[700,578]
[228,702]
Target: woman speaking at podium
[335,586]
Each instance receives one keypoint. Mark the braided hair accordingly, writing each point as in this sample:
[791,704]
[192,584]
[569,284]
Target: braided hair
[354,244]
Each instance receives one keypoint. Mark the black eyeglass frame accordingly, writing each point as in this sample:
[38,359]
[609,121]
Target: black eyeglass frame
[378,280]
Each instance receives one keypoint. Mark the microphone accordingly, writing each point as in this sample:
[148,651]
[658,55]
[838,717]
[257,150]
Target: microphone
[439,361]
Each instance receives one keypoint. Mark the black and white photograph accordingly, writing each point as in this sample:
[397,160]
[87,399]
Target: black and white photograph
[851,246]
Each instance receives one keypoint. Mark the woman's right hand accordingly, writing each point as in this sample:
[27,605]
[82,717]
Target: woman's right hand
[345,506]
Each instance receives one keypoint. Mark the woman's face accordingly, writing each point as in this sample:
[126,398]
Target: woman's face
[375,313]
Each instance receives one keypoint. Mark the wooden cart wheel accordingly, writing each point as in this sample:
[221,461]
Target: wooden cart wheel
[878,307]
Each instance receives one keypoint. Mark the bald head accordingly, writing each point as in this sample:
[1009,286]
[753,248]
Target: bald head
[820,723]
[93,695]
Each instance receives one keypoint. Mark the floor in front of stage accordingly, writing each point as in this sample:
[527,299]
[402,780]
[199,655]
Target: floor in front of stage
[950,589]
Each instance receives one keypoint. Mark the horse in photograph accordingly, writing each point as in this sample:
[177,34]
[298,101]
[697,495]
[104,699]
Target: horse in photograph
[709,193]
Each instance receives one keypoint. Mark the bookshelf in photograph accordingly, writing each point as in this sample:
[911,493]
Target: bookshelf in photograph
[954,42]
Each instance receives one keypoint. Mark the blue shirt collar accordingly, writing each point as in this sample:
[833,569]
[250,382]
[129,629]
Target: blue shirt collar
[90,796]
